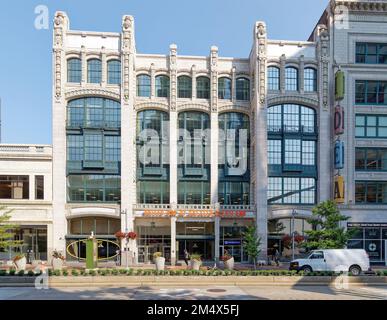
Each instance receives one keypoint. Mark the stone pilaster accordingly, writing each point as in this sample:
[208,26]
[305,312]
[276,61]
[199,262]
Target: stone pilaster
[173,241]
[173,125]
[259,105]
[84,66]
[104,67]
[153,80]
[59,230]
[128,131]
[193,76]
[233,85]
[214,125]
[301,71]
[282,73]
[324,120]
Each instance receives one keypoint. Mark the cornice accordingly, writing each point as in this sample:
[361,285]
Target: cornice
[362,5]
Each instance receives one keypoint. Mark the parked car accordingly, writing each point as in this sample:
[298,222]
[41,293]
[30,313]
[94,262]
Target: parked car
[355,261]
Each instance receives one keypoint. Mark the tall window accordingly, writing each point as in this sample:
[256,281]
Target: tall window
[292,154]
[310,80]
[371,92]
[233,168]
[225,88]
[291,79]
[375,53]
[152,162]
[184,87]
[162,86]
[114,72]
[74,70]
[273,78]
[202,88]
[243,89]
[143,85]
[39,187]
[94,71]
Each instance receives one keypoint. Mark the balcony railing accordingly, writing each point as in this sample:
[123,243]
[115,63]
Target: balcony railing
[146,206]
[8,148]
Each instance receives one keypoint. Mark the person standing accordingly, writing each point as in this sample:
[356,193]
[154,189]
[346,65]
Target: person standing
[186,256]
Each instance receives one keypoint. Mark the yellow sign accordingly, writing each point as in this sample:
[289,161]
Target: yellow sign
[339,190]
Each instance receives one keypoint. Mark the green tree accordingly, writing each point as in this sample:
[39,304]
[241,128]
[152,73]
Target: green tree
[326,231]
[6,234]
[251,244]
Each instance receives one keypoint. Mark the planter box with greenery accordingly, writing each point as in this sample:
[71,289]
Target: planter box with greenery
[159,260]
[196,261]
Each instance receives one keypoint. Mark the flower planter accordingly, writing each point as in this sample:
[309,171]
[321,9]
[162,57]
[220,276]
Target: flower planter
[195,264]
[57,264]
[21,263]
[160,263]
[229,264]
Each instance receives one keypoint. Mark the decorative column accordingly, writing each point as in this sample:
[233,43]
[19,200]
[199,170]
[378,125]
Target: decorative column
[259,104]
[282,73]
[59,229]
[104,67]
[32,193]
[193,75]
[233,85]
[214,145]
[324,121]
[153,80]
[173,125]
[83,66]
[128,137]
[301,71]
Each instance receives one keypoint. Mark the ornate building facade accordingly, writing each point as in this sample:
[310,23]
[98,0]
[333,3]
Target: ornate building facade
[126,156]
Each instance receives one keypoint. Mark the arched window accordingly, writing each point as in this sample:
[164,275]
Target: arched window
[143,85]
[273,78]
[152,163]
[162,86]
[184,87]
[234,175]
[74,70]
[114,72]
[243,89]
[291,79]
[225,88]
[94,71]
[94,112]
[310,80]
[202,88]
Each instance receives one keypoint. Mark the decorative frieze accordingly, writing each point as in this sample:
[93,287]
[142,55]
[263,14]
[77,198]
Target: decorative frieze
[92,92]
[60,22]
[323,57]
[262,58]
[127,47]
[361,5]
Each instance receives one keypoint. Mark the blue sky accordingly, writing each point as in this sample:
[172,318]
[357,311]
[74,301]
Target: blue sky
[25,55]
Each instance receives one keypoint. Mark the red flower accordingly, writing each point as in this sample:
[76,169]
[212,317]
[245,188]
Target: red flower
[131,235]
[120,235]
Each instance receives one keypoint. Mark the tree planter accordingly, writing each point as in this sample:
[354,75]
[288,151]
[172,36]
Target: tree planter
[229,264]
[195,264]
[21,263]
[57,264]
[160,263]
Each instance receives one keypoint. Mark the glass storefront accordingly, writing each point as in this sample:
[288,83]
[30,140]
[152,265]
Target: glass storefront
[153,239]
[34,243]
[372,238]
[196,237]
[231,240]
[108,249]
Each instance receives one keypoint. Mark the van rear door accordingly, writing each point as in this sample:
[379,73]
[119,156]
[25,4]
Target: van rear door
[317,261]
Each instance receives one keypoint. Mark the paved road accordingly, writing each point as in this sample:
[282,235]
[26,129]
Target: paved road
[198,293]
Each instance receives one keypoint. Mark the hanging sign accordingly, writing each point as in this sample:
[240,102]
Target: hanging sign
[339,85]
[339,120]
[339,189]
[339,155]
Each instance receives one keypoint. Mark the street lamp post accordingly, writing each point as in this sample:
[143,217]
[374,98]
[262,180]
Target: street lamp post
[293,233]
[125,212]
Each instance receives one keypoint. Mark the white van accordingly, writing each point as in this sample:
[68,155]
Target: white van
[352,260]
